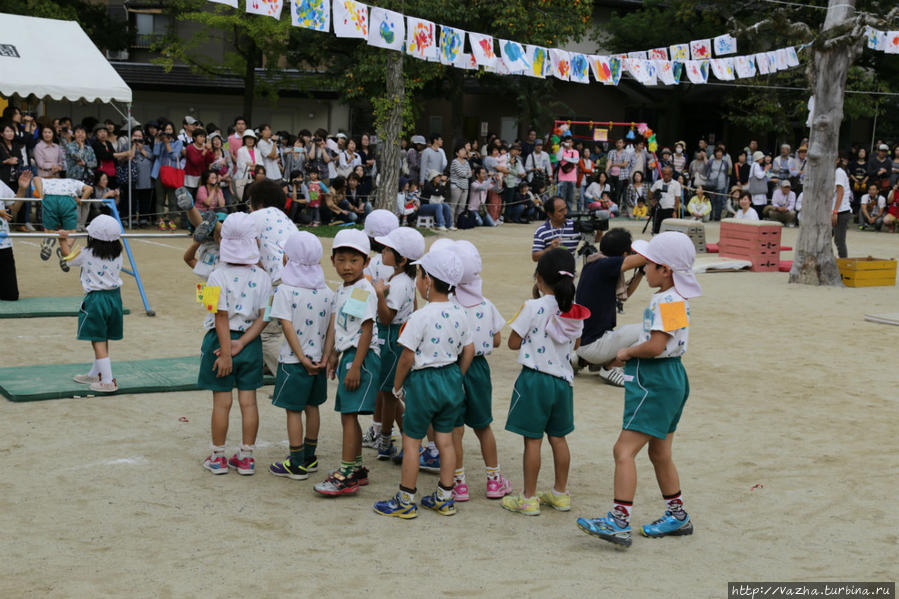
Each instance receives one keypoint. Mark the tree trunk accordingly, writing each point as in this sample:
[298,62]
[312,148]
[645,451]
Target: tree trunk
[389,130]
[249,83]
[814,263]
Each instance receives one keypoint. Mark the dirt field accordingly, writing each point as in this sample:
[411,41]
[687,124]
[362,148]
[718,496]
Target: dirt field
[787,451]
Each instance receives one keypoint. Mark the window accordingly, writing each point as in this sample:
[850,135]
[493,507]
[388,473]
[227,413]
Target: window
[148,25]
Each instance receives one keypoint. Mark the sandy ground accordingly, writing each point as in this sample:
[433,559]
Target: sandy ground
[787,453]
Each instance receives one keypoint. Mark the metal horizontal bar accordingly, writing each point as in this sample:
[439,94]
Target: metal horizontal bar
[88,200]
[76,235]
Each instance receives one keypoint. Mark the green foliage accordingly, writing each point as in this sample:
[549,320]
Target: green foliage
[105,32]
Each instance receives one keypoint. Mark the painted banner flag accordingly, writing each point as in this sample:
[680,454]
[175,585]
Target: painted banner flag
[350,19]
[268,8]
[697,71]
[514,56]
[877,39]
[561,64]
[723,68]
[772,61]
[701,49]
[387,29]
[580,68]
[467,62]
[642,54]
[680,52]
[642,70]
[311,14]
[658,54]
[539,62]
[665,71]
[228,2]
[891,45]
[792,57]
[782,61]
[482,49]
[421,39]
[725,44]
[745,66]
[452,41]
[615,65]
[602,72]
[761,61]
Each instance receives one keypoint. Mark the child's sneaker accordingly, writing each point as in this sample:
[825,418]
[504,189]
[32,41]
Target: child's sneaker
[245,466]
[85,379]
[183,198]
[607,529]
[47,248]
[444,507]
[529,506]
[460,491]
[668,525]
[498,488]
[370,438]
[360,475]
[63,263]
[386,449]
[101,387]
[217,465]
[204,229]
[396,508]
[172,226]
[429,463]
[561,503]
[337,484]
[311,465]
[291,471]
[161,225]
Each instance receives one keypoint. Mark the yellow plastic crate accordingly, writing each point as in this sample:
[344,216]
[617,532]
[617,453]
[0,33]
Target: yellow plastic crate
[867,272]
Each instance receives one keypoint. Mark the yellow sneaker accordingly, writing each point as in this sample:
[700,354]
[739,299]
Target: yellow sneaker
[561,503]
[529,506]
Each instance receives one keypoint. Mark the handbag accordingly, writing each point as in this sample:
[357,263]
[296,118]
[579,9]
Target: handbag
[171,177]
[757,186]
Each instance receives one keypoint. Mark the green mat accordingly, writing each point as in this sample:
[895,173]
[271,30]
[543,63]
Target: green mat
[54,381]
[42,307]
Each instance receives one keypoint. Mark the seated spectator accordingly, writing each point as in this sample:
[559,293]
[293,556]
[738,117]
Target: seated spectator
[733,200]
[892,216]
[783,204]
[209,194]
[406,204]
[297,204]
[606,204]
[337,209]
[640,211]
[873,208]
[700,207]
[359,204]
[637,189]
[433,201]
[597,186]
[746,211]
[524,205]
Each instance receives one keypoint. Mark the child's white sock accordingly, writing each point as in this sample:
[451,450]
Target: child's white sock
[376,427]
[559,493]
[432,448]
[218,451]
[675,505]
[95,370]
[493,472]
[459,475]
[621,510]
[246,451]
[444,494]
[105,367]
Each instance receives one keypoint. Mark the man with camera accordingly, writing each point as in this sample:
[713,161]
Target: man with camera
[538,166]
[667,194]
[557,231]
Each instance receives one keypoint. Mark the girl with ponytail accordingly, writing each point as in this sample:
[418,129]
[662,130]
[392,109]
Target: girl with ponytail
[546,332]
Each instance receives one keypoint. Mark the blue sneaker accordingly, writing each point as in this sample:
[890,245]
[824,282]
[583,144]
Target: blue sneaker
[667,526]
[607,529]
[386,449]
[429,463]
[396,508]
[444,507]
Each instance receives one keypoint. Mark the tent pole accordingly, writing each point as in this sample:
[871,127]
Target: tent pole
[130,162]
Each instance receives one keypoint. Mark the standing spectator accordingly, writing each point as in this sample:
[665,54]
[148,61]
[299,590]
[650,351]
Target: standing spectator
[477,197]
[668,194]
[717,183]
[538,166]
[235,140]
[295,156]
[894,177]
[12,156]
[697,169]
[584,175]
[368,160]
[783,167]
[801,163]
[783,204]
[143,181]
[197,160]
[616,168]
[166,152]
[268,150]
[248,157]
[106,155]
[320,156]
[842,212]
[741,172]
[433,158]
[48,156]
[529,144]
[513,177]
[858,173]
[873,209]
[80,158]
[679,160]
[348,159]
[758,182]
[880,167]
[640,160]
[413,157]
[567,174]
[186,135]
[460,173]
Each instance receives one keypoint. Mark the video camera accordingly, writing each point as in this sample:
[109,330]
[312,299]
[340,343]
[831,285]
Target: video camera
[590,221]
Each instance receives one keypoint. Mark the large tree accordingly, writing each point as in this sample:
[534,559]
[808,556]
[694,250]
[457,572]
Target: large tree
[106,32]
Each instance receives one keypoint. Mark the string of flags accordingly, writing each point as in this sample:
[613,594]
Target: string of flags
[426,40]
[884,41]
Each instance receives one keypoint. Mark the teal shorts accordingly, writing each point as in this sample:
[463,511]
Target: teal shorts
[654,398]
[295,389]
[363,399]
[433,397]
[59,213]
[246,367]
[390,355]
[541,404]
[100,316]
[477,411]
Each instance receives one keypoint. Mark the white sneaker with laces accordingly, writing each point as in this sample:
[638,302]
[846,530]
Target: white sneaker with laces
[101,387]
[613,376]
[85,379]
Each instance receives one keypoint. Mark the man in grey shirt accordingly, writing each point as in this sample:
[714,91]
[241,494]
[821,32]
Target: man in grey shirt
[432,158]
[538,162]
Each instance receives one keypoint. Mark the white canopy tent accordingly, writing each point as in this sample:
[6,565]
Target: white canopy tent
[56,59]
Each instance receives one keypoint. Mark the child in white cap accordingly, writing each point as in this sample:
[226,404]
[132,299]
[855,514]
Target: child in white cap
[231,355]
[302,304]
[485,323]
[396,302]
[655,392]
[100,317]
[354,334]
[437,348]
[377,224]
[546,332]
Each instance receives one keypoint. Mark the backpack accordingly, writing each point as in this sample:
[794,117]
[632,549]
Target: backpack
[466,220]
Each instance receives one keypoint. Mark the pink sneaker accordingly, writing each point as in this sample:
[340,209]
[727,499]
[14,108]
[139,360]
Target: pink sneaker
[460,491]
[245,466]
[499,488]
[217,465]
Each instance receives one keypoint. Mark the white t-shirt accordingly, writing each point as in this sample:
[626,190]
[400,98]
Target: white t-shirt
[207,259]
[668,197]
[98,274]
[652,321]
[401,297]
[376,269]
[538,350]
[485,321]
[310,312]
[867,201]
[245,291]
[841,180]
[273,228]
[750,214]
[347,326]
[436,333]
[272,170]
[62,187]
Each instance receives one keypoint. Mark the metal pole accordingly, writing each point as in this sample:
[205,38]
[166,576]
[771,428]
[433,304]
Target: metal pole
[83,235]
[140,285]
[88,200]
[130,147]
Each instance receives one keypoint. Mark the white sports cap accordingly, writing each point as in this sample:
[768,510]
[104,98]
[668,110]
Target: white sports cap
[676,251]
[380,222]
[352,238]
[469,290]
[442,264]
[239,244]
[408,242]
[104,228]
[303,268]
